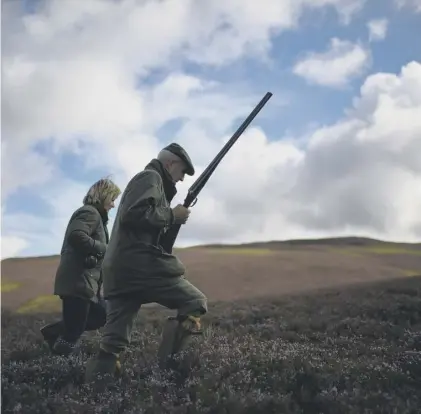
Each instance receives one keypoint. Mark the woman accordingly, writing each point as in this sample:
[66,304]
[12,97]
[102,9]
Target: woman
[78,279]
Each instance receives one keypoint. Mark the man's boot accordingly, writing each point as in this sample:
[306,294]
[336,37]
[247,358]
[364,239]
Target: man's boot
[102,368]
[176,337]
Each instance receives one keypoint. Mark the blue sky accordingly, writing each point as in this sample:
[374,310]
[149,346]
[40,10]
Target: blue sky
[308,104]
[297,109]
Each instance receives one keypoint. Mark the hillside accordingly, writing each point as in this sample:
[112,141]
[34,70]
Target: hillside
[331,241]
[309,327]
[233,272]
[351,351]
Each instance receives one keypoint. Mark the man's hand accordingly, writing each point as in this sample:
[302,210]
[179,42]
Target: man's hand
[181,214]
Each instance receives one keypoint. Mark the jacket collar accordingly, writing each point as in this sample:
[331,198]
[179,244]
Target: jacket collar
[169,186]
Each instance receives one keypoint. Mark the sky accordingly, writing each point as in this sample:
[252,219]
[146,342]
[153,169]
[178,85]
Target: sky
[94,88]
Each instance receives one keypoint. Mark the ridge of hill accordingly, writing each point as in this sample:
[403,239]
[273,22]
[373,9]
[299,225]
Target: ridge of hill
[233,272]
[270,244]
[324,241]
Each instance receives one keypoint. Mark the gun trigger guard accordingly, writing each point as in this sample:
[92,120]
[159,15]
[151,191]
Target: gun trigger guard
[194,202]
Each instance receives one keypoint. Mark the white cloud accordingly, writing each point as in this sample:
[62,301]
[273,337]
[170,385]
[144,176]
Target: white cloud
[377,29]
[75,76]
[361,175]
[11,246]
[413,4]
[365,171]
[72,69]
[335,67]
[32,168]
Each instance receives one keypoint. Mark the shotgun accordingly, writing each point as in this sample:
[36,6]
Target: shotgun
[168,239]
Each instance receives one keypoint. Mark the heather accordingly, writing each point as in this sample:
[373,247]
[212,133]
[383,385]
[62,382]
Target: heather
[350,350]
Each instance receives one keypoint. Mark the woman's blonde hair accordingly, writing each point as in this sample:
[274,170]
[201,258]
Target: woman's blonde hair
[102,192]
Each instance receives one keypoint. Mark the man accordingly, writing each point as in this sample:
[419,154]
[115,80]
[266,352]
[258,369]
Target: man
[136,270]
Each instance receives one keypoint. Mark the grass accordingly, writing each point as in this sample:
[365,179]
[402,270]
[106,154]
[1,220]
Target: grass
[347,250]
[386,250]
[379,250]
[44,303]
[242,251]
[392,250]
[332,352]
[7,286]
[412,272]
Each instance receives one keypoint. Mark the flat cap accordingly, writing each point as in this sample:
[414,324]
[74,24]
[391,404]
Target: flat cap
[180,152]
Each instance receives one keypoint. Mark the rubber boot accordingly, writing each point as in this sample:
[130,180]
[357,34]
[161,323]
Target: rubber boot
[102,368]
[175,338]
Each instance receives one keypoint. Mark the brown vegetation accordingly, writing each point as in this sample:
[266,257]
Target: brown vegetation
[272,344]
[228,273]
[351,351]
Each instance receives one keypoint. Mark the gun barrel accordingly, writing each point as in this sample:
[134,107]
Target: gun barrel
[167,241]
[204,177]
